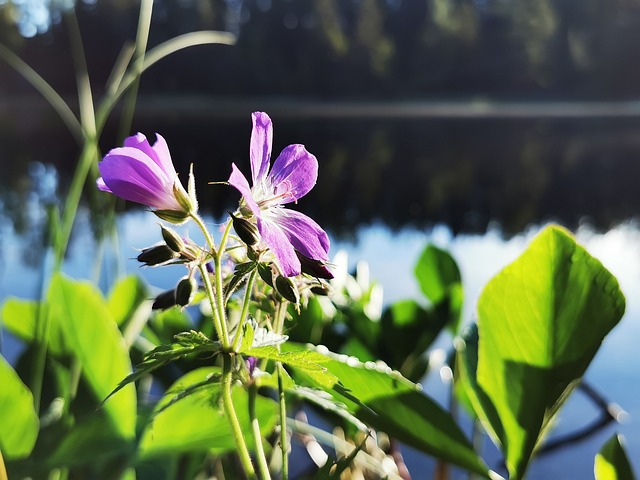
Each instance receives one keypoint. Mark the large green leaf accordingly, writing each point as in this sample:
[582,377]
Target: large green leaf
[83,317]
[197,423]
[385,400]
[540,322]
[436,272]
[125,297]
[20,317]
[611,462]
[18,420]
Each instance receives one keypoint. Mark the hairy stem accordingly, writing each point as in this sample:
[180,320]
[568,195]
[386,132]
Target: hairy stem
[230,412]
[245,309]
[263,465]
[284,443]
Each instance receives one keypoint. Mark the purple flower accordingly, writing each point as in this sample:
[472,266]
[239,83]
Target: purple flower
[287,233]
[144,174]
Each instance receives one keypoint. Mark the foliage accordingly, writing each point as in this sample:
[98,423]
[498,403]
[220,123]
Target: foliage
[222,387]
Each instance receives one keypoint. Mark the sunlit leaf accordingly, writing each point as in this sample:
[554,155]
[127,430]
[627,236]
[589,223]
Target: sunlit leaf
[611,463]
[90,331]
[439,278]
[386,401]
[197,422]
[20,317]
[187,343]
[540,321]
[18,420]
[125,297]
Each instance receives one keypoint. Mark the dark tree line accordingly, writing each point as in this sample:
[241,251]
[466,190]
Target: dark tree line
[364,49]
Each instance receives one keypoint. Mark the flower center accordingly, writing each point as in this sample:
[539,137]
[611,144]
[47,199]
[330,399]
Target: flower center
[279,194]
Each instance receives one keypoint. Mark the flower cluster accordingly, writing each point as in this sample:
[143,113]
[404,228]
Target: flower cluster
[144,173]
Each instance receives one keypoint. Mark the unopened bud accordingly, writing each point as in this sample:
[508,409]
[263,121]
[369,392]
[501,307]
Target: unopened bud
[172,216]
[185,200]
[246,230]
[165,300]
[157,255]
[322,290]
[172,239]
[185,291]
[285,287]
[312,267]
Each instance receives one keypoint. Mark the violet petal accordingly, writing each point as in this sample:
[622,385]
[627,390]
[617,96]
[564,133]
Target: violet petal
[240,182]
[295,170]
[260,148]
[159,153]
[279,244]
[302,232]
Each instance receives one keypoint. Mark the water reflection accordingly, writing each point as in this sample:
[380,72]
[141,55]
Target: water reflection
[415,173]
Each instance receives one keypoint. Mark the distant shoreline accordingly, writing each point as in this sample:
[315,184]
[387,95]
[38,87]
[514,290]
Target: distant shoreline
[190,106]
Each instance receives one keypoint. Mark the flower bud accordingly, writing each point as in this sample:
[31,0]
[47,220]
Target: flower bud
[246,230]
[185,291]
[185,200]
[157,255]
[172,216]
[172,239]
[285,287]
[165,300]
[312,267]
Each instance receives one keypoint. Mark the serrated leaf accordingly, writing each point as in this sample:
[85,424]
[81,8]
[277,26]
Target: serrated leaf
[386,401]
[611,463]
[19,422]
[326,402]
[187,343]
[540,321]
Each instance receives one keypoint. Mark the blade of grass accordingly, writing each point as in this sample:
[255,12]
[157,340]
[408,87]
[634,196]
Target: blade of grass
[46,90]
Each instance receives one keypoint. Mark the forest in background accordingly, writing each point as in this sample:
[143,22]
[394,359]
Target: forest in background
[353,49]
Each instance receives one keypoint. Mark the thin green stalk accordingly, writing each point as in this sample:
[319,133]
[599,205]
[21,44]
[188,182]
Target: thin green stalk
[142,38]
[212,246]
[214,309]
[245,309]
[284,443]
[263,465]
[222,313]
[230,411]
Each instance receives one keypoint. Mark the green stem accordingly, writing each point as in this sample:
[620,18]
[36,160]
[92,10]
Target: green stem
[230,411]
[212,302]
[284,444]
[245,309]
[222,313]
[263,465]
[205,231]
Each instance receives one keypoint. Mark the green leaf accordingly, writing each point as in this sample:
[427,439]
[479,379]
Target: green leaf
[408,324]
[90,331]
[125,297]
[611,462]
[18,420]
[197,422]
[20,317]
[387,401]
[187,343]
[439,278]
[540,321]
[436,271]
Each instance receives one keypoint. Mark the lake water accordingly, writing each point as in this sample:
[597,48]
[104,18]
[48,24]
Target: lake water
[480,188]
